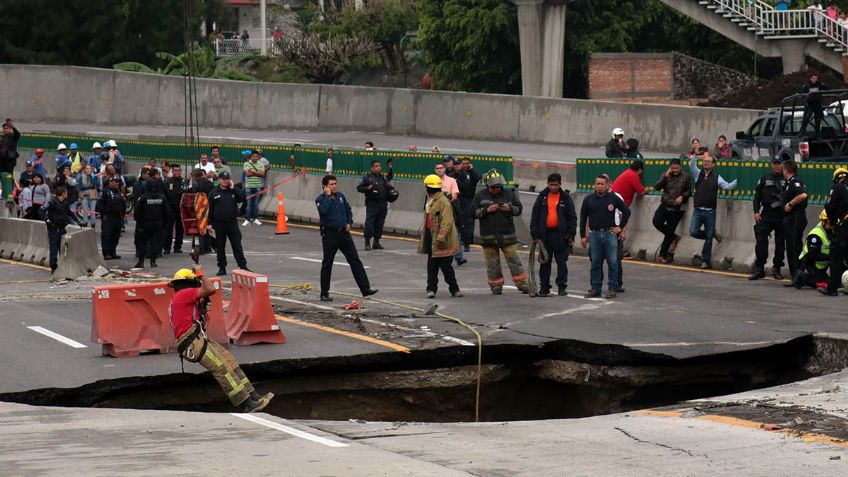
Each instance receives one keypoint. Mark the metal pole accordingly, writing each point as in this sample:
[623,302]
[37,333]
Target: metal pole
[262,26]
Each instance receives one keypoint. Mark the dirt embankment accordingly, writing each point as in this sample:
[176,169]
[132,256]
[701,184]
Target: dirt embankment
[769,94]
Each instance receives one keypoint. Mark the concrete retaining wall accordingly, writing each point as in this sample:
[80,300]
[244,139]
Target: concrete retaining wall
[73,94]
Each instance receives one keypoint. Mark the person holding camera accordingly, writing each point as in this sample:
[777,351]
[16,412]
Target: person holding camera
[376,188]
[224,203]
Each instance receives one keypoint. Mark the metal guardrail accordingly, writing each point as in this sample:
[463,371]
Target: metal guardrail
[240,47]
[764,19]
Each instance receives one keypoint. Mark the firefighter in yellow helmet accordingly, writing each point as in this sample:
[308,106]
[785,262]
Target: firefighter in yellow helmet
[188,318]
[815,257]
[836,207]
[439,240]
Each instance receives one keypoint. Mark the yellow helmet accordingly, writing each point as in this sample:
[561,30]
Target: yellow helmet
[182,274]
[433,181]
[839,174]
[823,216]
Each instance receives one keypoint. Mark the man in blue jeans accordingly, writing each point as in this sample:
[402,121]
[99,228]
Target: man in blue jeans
[598,231]
[254,173]
[707,184]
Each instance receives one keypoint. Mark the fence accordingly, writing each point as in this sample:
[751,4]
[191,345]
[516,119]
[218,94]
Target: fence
[407,166]
[817,176]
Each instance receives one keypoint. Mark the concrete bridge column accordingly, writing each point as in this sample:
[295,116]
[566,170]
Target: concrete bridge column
[553,43]
[541,29]
[530,26]
[792,53]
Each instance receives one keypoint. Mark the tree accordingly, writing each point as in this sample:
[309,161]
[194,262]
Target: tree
[326,60]
[471,45]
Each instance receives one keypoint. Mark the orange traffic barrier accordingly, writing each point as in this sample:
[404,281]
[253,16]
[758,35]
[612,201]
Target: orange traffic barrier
[282,226]
[131,319]
[250,318]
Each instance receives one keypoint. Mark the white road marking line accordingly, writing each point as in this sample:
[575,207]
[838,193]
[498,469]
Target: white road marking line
[689,343]
[292,300]
[319,261]
[289,430]
[57,337]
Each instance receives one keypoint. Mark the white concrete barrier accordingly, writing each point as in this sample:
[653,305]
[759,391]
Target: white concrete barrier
[78,253]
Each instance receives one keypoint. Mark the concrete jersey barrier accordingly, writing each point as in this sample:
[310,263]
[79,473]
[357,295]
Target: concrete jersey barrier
[24,241]
[78,253]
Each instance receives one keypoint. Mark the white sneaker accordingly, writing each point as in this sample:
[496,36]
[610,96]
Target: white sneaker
[257,222]
[245,223]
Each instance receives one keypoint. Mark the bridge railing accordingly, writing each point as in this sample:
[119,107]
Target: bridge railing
[832,30]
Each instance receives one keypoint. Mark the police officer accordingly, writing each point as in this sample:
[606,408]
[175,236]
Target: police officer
[111,208]
[336,219]
[768,218]
[467,179]
[836,208]
[376,187]
[224,203]
[174,189]
[815,257]
[795,220]
[151,213]
[58,217]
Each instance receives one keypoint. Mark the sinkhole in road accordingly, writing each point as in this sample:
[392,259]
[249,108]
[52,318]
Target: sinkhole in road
[560,380]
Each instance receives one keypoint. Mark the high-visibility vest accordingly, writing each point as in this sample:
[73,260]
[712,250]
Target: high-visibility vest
[819,232]
[76,162]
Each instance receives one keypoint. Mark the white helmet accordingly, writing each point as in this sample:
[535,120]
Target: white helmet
[111,143]
[617,132]
[61,146]
[96,145]
[845,280]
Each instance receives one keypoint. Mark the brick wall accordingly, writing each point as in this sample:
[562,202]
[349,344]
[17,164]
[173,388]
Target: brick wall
[659,76]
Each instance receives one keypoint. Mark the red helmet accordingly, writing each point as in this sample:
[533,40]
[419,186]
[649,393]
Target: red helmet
[39,151]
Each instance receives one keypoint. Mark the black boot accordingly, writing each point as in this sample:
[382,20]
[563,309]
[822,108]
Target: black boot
[758,273]
[377,245]
[153,263]
[367,244]
[775,273]
[140,263]
[222,271]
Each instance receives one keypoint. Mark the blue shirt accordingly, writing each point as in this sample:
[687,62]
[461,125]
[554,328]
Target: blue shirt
[334,211]
[95,162]
[62,161]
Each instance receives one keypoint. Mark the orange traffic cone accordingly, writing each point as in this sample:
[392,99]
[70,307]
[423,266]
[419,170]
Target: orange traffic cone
[282,227]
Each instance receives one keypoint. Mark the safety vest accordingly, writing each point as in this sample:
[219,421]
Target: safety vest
[76,162]
[819,232]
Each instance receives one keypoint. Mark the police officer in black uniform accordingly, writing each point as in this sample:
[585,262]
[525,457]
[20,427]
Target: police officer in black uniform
[467,179]
[224,203]
[795,220]
[151,213]
[837,209]
[58,217]
[174,189]
[768,218]
[111,206]
[376,187]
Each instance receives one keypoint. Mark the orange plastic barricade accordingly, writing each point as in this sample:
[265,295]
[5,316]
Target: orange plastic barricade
[251,318]
[130,319]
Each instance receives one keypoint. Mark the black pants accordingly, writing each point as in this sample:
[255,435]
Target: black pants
[809,275]
[794,224]
[838,253]
[467,217]
[762,231]
[434,264]
[620,258]
[148,239]
[666,221]
[110,234]
[334,241]
[174,222]
[54,237]
[558,250]
[812,111]
[231,231]
[375,217]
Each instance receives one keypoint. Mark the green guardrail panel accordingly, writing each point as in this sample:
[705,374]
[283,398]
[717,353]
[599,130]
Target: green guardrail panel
[407,166]
[818,176]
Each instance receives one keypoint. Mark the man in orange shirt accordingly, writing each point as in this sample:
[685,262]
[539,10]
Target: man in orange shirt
[554,223]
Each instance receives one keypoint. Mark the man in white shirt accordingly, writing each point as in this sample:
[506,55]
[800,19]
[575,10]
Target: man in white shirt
[205,164]
[329,168]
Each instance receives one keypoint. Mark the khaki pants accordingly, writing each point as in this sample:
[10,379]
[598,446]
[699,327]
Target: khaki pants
[224,368]
[494,276]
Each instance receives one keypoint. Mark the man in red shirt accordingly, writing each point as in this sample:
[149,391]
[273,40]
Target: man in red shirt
[628,185]
[187,312]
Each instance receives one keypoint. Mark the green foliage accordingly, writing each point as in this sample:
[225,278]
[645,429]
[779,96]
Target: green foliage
[95,32]
[326,60]
[471,45]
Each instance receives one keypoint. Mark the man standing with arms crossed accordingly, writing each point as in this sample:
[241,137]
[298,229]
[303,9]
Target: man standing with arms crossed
[254,175]
[676,188]
[336,220]
[376,187]
[597,216]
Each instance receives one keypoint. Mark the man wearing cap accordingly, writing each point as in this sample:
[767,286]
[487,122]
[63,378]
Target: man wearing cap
[438,238]
[815,257]
[37,160]
[336,220]
[62,156]
[151,213]
[187,313]
[495,208]
[795,221]
[59,215]
[768,218]
[111,206]
[254,173]
[27,174]
[175,186]
[376,187]
[224,203]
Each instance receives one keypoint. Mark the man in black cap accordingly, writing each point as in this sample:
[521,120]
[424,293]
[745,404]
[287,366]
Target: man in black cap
[768,218]
[224,203]
[174,188]
[813,108]
[151,213]
[111,207]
